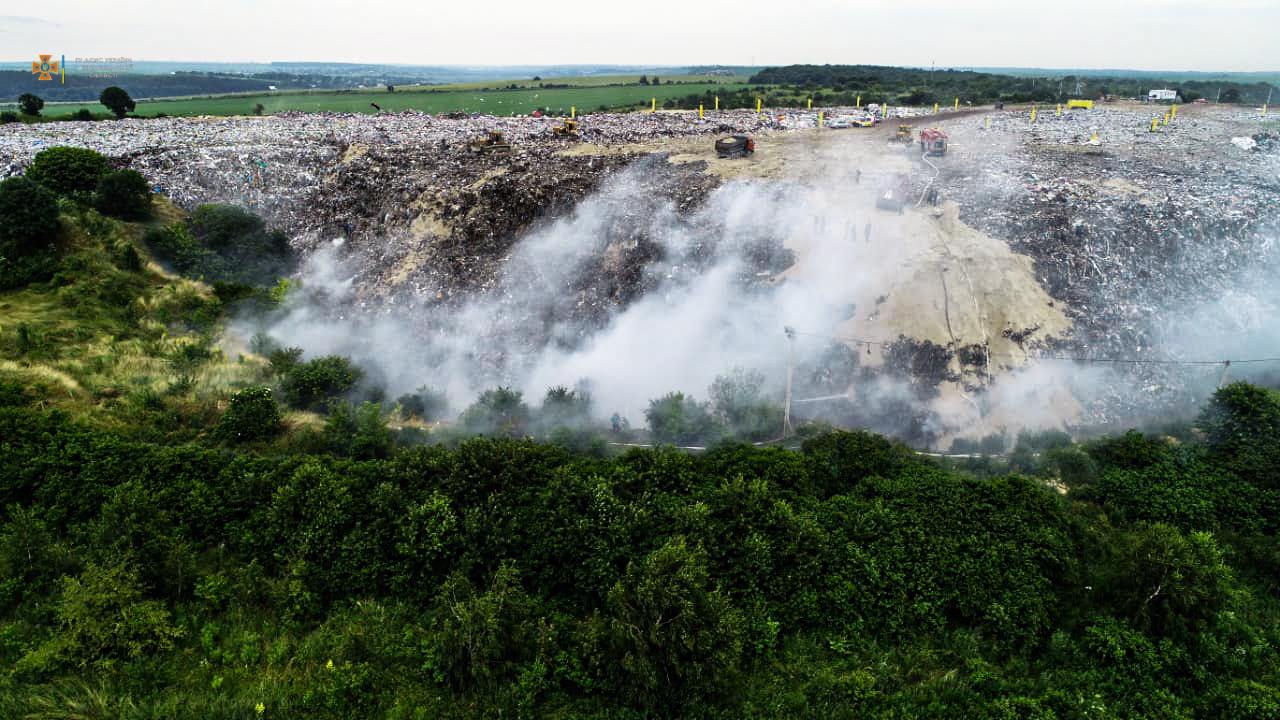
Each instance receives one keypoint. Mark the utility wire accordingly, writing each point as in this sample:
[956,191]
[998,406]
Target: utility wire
[1067,358]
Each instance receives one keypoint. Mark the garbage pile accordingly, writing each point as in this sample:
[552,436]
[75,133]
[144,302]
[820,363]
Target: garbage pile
[1141,228]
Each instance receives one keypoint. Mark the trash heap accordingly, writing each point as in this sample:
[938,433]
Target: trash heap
[1143,227]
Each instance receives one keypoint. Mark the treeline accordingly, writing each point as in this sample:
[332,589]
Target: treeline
[849,579]
[913,86]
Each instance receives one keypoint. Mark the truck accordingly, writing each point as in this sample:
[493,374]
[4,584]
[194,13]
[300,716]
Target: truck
[933,142]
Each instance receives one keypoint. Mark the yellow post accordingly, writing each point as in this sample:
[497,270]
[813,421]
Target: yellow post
[699,111]
[935,108]
[1155,123]
[1033,113]
[1093,138]
[810,103]
[1059,108]
[1264,108]
[717,103]
[1174,112]
[858,103]
[573,112]
[757,105]
[653,105]
[884,111]
[820,118]
[957,103]
[987,125]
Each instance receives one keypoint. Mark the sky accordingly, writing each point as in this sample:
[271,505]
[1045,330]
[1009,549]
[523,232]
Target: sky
[1209,35]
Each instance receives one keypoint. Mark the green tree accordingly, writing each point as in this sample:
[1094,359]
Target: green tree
[66,170]
[30,104]
[28,217]
[310,385]
[125,194]
[358,432]
[479,638]
[501,411]
[668,636]
[103,615]
[117,101]
[674,418]
[1241,424]
[252,414]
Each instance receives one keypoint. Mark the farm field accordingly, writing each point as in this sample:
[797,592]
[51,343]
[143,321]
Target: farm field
[586,94]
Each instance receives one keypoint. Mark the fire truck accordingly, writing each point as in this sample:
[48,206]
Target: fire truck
[933,142]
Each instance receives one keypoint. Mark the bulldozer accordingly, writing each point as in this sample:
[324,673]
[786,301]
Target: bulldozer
[568,130]
[904,134]
[493,142]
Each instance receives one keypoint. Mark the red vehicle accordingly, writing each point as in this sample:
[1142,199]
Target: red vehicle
[933,142]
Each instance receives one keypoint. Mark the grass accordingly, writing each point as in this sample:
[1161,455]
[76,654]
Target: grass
[586,94]
[100,342]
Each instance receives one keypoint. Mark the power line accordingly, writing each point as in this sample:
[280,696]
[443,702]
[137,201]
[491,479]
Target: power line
[1065,358]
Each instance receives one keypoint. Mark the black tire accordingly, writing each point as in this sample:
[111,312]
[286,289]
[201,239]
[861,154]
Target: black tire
[732,145]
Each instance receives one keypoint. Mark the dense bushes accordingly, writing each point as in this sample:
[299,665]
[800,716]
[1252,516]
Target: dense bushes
[251,415]
[508,578]
[67,170]
[28,218]
[309,385]
[222,243]
[123,194]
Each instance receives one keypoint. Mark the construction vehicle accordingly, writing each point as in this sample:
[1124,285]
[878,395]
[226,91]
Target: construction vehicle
[893,193]
[493,143]
[933,142]
[568,129]
[904,134]
[735,146]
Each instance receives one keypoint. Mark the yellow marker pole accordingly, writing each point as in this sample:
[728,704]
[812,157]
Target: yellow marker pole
[717,103]
[1174,111]
[699,111]
[820,118]
[1264,108]
[1059,108]
[987,124]
[884,111]
[810,103]
[1093,138]
[653,105]
[957,103]
[573,112]
[935,108]
[1155,122]
[1033,113]
[858,102]
[757,105]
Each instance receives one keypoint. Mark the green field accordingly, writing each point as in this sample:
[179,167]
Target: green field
[586,95]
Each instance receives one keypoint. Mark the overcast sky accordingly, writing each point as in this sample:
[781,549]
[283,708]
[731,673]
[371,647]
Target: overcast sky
[1142,34]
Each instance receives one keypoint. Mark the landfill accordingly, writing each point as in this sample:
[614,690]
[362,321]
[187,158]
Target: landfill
[1129,215]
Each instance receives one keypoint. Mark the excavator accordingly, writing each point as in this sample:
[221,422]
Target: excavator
[493,142]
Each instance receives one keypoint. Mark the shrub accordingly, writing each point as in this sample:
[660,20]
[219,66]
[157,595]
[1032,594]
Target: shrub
[28,217]
[497,412]
[252,415]
[224,244]
[8,116]
[84,115]
[67,170]
[102,615]
[123,194]
[1242,426]
[310,384]
[357,432]
[674,418]
[425,402]
[480,637]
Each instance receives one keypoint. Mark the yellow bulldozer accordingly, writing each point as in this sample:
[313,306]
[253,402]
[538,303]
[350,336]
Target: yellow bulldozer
[568,130]
[904,134]
[493,142]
